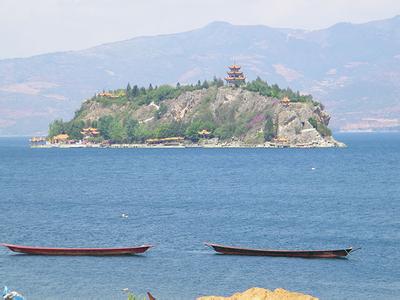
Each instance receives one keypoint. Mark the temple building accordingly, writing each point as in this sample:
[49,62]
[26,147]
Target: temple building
[37,140]
[60,138]
[204,133]
[280,140]
[235,76]
[89,132]
[285,101]
[106,95]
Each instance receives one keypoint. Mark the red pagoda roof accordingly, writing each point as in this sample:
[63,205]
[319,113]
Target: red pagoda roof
[234,67]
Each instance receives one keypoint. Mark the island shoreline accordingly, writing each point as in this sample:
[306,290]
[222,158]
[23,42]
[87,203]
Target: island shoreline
[190,146]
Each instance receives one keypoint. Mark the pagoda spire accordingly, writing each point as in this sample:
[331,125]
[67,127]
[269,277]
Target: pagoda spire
[235,76]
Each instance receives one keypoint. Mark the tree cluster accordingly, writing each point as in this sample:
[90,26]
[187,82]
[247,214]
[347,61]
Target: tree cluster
[144,96]
[275,91]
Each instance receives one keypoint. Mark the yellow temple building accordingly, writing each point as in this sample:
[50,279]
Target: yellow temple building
[35,140]
[285,101]
[60,138]
[204,133]
[89,132]
[280,139]
[107,95]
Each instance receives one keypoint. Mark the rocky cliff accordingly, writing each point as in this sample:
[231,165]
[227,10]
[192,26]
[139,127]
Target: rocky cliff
[232,116]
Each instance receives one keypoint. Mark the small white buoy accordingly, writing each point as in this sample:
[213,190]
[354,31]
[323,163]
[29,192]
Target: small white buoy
[312,168]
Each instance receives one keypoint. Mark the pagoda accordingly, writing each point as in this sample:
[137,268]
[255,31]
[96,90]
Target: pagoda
[235,76]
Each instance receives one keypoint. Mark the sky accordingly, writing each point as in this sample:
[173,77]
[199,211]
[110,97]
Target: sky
[30,27]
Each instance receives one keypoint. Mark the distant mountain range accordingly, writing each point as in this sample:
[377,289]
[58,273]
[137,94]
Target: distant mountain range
[354,69]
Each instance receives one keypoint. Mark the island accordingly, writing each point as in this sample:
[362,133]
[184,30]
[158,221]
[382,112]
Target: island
[207,114]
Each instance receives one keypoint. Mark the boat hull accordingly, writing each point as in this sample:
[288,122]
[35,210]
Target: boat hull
[281,253]
[77,251]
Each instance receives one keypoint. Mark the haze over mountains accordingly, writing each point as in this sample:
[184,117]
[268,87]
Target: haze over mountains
[353,69]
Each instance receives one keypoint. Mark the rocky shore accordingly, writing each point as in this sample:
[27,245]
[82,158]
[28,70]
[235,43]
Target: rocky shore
[222,145]
[263,294]
[328,142]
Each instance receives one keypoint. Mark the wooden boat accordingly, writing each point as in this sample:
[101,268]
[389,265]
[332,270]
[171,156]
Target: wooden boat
[77,251]
[286,253]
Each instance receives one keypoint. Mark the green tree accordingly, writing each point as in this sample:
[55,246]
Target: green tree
[75,129]
[192,131]
[135,91]
[142,133]
[172,129]
[128,90]
[56,127]
[131,126]
[226,131]
[104,126]
[220,82]
[94,124]
[118,132]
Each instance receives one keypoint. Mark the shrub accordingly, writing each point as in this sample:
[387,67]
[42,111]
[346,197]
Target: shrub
[269,129]
[320,127]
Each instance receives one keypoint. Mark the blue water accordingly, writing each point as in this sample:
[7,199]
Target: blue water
[178,198]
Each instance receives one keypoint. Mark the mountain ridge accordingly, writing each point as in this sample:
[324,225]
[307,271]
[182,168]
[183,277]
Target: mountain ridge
[211,24]
[352,68]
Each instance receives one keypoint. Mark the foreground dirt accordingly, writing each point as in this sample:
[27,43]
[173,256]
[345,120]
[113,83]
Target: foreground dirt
[262,294]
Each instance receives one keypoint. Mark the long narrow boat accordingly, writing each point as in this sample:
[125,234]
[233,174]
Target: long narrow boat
[286,253]
[77,251]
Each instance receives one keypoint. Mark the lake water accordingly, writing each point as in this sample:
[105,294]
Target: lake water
[178,198]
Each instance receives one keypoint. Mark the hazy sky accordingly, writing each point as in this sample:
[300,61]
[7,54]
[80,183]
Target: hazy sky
[29,27]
